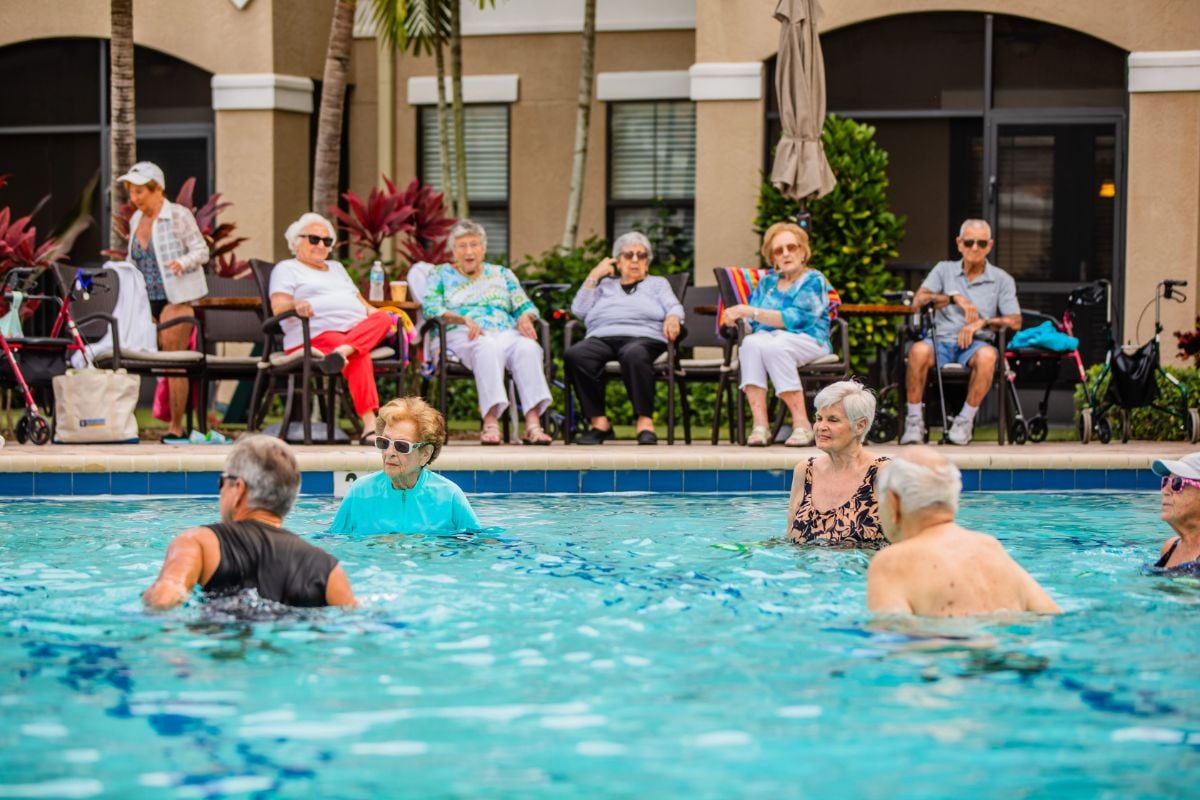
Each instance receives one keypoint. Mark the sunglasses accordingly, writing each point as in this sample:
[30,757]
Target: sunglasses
[1177,483]
[791,247]
[629,255]
[314,239]
[402,447]
[223,479]
[980,243]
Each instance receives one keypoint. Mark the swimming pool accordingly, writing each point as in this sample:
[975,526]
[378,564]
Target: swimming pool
[603,648]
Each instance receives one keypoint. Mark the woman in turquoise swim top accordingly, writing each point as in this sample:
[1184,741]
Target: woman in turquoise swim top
[405,497]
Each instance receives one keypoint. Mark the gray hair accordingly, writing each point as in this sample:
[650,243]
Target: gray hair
[633,237]
[466,227]
[270,471]
[296,229]
[858,401]
[919,486]
[974,223]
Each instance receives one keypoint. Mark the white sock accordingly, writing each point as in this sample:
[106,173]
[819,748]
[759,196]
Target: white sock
[916,410]
[968,412]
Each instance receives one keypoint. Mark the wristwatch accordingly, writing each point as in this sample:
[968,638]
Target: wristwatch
[951,295]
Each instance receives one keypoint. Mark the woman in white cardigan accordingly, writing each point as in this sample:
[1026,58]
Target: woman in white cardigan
[166,246]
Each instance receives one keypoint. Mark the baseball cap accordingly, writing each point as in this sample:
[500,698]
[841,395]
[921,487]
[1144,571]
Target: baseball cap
[142,173]
[1186,467]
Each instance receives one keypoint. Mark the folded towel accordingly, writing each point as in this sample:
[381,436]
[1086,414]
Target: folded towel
[1045,336]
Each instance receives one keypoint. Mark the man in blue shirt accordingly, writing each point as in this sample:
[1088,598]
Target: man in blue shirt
[973,299]
[405,497]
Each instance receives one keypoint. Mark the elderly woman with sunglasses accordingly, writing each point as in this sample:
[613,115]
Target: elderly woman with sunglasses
[788,314]
[342,324]
[405,497]
[490,327]
[629,320]
[1180,510]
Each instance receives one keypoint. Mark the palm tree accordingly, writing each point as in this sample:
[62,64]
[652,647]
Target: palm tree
[422,27]
[123,123]
[583,113]
[327,159]
[460,147]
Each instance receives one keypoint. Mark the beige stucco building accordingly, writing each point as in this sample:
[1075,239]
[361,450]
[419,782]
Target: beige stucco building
[972,98]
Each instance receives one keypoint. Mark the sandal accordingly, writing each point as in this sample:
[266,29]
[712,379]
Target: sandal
[490,435]
[534,434]
[801,437]
[759,436]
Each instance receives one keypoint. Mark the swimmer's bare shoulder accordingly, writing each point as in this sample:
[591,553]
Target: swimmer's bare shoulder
[192,558]
[887,578]
[1033,597]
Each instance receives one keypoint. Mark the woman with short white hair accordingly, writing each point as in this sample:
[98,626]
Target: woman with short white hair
[489,326]
[342,324]
[833,499]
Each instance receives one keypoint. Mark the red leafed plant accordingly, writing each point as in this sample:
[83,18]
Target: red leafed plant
[417,212]
[1189,343]
[221,246]
[18,239]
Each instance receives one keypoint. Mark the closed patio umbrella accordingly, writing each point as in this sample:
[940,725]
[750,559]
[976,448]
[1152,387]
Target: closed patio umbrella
[800,170]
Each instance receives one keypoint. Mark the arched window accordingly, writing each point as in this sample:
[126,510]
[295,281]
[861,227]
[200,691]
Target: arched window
[54,129]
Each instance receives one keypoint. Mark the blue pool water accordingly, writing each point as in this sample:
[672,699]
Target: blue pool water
[603,649]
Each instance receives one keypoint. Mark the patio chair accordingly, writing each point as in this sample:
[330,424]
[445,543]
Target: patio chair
[667,368]
[94,314]
[302,372]
[814,375]
[701,331]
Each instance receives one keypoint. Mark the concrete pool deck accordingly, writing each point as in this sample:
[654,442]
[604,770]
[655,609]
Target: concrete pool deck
[154,468]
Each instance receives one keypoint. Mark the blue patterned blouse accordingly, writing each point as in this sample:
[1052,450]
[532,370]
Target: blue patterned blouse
[495,299]
[804,304]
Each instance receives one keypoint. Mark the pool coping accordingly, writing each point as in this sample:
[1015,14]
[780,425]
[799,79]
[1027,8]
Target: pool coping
[153,468]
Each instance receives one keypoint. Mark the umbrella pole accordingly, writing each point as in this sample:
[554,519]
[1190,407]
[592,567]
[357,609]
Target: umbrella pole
[803,218]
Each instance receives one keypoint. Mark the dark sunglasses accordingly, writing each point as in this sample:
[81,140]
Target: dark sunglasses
[980,243]
[314,239]
[402,447]
[629,255]
[1177,483]
[223,479]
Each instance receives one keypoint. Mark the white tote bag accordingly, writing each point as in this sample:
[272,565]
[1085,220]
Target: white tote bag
[95,405]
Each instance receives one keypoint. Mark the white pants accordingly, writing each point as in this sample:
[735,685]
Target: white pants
[489,354]
[776,354]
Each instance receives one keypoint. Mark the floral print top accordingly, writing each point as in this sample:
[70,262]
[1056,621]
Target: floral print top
[855,523]
[804,304]
[143,258]
[494,299]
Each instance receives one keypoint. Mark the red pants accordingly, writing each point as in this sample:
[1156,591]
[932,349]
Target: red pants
[359,371]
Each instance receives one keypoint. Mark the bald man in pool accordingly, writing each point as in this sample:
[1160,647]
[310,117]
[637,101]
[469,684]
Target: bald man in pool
[249,548]
[934,567]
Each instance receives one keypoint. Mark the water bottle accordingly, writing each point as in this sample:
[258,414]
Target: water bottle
[377,279]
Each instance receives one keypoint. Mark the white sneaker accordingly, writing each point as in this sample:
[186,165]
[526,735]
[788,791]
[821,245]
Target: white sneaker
[914,430]
[960,430]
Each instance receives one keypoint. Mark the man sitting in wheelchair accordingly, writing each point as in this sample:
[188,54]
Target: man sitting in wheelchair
[972,299]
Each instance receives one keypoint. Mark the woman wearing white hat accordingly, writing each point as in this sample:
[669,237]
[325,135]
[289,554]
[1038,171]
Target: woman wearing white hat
[166,246]
[1180,510]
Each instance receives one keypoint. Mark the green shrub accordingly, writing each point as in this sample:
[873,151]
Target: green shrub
[1147,423]
[853,233]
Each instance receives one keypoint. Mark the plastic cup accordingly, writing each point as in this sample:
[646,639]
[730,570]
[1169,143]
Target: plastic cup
[399,291]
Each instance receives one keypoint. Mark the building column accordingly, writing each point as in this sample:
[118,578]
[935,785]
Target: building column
[263,159]
[1163,204]
[729,134]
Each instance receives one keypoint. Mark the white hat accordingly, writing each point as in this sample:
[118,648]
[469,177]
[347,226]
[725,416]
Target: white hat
[142,173]
[1186,467]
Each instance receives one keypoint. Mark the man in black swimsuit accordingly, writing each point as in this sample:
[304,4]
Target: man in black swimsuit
[249,548]
[1180,510]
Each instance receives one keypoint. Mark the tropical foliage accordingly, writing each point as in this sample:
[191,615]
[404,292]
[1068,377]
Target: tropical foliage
[854,233]
[416,213]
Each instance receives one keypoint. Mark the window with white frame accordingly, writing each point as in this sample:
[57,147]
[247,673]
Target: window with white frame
[485,131]
[652,170]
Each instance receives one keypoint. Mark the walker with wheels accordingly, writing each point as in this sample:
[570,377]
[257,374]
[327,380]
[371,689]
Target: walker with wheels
[1132,372]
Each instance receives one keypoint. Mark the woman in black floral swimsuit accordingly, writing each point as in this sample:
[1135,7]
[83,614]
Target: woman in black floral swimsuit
[833,495]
